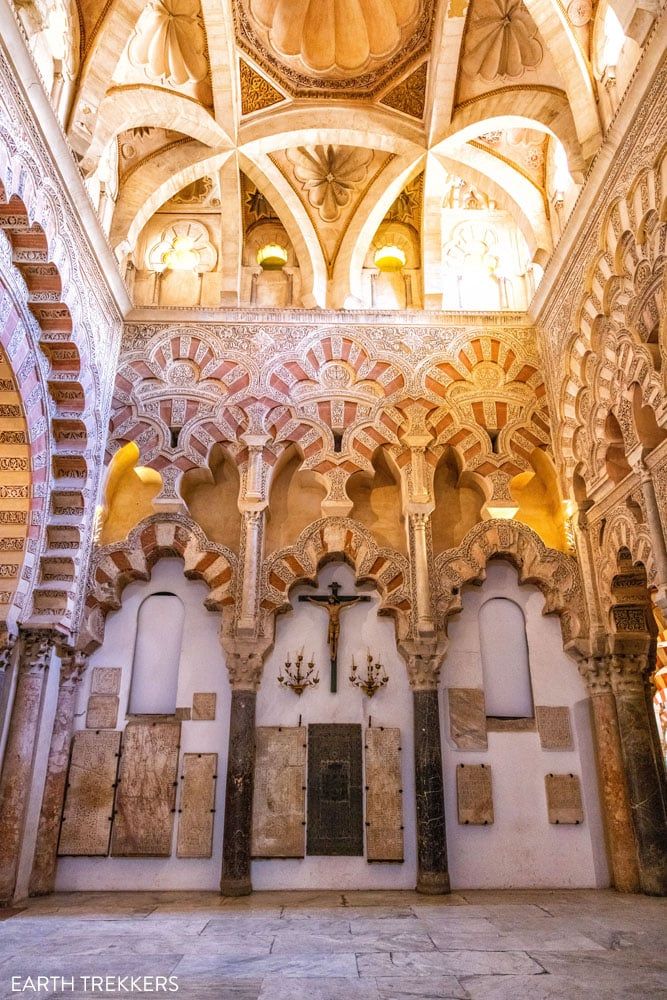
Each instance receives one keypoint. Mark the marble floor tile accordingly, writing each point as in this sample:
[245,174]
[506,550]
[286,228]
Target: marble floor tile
[449,963]
[300,966]
[421,988]
[276,988]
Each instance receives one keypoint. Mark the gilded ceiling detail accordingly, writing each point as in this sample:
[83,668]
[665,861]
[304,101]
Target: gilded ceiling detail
[349,46]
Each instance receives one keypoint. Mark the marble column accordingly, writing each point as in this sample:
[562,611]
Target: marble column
[16,777]
[613,784]
[237,837]
[432,874]
[43,875]
[642,771]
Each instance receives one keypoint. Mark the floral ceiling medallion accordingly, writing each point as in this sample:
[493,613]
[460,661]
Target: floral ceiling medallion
[329,175]
[502,40]
[170,42]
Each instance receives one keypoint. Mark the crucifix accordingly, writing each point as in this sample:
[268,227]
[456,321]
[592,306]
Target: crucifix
[334,604]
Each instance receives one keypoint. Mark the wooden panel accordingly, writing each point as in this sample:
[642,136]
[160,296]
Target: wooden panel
[279,800]
[467,718]
[335,808]
[91,782]
[197,806]
[384,795]
[146,795]
[553,725]
[474,794]
[564,798]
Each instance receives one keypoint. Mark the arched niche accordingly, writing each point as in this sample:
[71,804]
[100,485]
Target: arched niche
[377,503]
[157,655]
[540,502]
[211,496]
[129,492]
[646,426]
[295,501]
[505,662]
[616,462]
[459,499]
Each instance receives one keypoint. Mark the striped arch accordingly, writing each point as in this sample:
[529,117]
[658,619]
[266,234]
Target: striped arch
[161,536]
[622,531]
[557,575]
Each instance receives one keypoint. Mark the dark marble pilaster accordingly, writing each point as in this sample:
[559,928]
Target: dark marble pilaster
[236,848]
[43,875]
[642,768]
[432,874]
[17,768]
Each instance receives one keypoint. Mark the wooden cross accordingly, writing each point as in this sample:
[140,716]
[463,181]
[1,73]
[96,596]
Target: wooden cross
[334,604]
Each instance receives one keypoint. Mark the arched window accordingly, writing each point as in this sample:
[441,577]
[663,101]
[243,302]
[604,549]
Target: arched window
[157,654]
[505,665]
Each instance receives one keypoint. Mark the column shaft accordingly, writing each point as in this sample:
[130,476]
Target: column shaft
[236,847]
[432,875]
[43,875]
[16,777]
[644,779]
[618,816]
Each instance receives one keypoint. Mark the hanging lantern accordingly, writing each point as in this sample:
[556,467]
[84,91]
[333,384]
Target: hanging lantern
[390,258]
[272,257]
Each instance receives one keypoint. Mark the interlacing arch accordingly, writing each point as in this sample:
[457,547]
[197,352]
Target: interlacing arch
[623,532]
[161,536]
[339,538]
[556,574]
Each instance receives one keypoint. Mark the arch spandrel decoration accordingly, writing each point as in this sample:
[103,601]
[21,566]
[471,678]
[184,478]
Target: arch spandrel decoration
[557,575]
[338,538]
[158,537]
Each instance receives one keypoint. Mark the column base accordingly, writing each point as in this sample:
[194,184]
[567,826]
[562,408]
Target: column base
[433,883]
[235,887]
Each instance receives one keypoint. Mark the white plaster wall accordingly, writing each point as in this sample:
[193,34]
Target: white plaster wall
[522,849]
[202,668]
[361,630]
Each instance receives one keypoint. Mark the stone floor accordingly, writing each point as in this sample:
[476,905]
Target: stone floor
[333,946]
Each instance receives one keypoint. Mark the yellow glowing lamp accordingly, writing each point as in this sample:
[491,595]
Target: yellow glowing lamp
[182,255]
[389,258]
[272,257]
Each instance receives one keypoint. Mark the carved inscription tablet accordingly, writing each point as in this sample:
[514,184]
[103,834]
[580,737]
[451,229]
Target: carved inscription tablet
[474,794]
[335,809]
[384,795]
[564,803]
[553,725]
[197,806]
[467,718]
[279,797]
[203,706]
[106,680]
[102,711]
[91,782]
[146,795]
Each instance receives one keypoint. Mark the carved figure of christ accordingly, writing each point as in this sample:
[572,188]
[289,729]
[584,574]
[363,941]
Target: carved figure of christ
[334,604]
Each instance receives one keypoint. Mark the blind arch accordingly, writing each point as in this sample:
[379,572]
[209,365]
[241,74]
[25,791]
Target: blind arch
[505,662]
[157,655]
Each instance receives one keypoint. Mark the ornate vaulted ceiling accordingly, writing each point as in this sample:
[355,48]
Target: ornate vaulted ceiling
[330,109]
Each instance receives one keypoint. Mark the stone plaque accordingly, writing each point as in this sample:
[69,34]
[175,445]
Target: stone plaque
[564,798]
[102,711]
[553,725]
[106,680]
[91,783]
[384,795]
[203,706]
[279,795]
[474,794]
[467,718]
[335,808]
[146,795]
[197,806]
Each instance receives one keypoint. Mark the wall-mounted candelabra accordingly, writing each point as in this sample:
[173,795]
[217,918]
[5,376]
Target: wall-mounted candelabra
[376,676]
[298,678]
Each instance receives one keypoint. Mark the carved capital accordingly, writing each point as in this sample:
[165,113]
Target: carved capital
[423,661]
[38,645]
[628,675]
[595,671]
[73,665]
[245,663]
[8,643]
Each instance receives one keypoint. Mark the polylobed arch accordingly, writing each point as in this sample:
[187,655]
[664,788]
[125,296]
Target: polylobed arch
[556,574]
[160,536]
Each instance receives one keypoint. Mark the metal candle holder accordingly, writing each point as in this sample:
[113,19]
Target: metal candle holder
[376,676]
[295,678]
